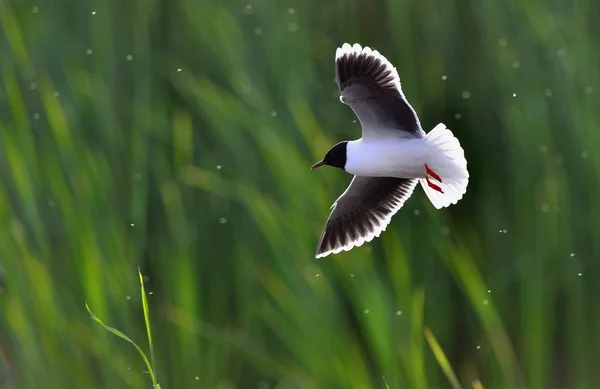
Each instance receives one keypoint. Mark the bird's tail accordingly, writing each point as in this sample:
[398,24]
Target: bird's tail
[447,176]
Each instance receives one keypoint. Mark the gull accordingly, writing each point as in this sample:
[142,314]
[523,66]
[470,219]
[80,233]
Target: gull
[393,155]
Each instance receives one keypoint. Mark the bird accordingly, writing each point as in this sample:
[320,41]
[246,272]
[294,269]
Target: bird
[391,158]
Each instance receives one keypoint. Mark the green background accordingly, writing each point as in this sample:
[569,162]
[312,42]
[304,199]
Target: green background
[178,136]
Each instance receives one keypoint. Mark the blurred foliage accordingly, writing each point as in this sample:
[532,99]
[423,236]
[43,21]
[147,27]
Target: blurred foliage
[178,136]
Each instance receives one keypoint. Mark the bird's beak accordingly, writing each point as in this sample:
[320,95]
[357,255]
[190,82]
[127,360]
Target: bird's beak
[316,165]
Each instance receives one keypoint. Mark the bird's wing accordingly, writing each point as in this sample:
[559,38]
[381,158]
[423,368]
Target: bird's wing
[363,211]
[370,85]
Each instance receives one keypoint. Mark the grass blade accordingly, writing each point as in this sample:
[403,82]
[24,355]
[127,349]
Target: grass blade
[477,385]
[441,359]
[149,365]
[147,320]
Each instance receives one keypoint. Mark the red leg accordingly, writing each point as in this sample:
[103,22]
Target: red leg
[432,173]
[433,186]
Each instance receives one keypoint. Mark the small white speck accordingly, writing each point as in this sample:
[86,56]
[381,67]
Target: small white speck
[354,121]
[248,9]
[572,255]
[489,291]
[93,12]
[56,94]
[219,167]
[351,275]
[258,31]
[561,53]
[485,302]
[457,116]
[579,274]
[36,116]
[89,51]
[444,77]
[398,313]
[504,231]
[366,311]
[548,92]
[584,154]
[128,297]
[132,224]
[196,378]
[129,57]
[514,95]
[150,293]
[543,149]
[35,10]
[516,64]
[416,212]
[318,274]
[588,90]
[502,42]
[478,347]
[466,94]
[222,220]
[293,27]
[179,69]
[33,86]
[545,207]
[273,113]
[291,11]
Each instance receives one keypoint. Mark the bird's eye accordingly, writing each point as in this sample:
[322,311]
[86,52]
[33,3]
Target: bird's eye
[342,99]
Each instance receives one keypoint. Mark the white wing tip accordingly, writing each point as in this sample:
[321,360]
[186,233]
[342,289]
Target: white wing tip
[357,243]
[348,49]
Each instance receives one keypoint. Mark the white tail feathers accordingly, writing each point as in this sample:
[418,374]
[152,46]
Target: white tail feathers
[449,163]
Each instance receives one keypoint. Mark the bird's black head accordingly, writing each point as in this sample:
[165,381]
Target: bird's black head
[336,156]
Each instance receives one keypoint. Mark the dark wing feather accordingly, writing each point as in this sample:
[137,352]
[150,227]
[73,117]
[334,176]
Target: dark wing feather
[363,211]
[370,85]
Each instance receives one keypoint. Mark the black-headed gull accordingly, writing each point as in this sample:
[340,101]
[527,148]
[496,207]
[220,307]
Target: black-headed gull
[393,155]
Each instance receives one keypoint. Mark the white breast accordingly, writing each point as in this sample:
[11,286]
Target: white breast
[402,158]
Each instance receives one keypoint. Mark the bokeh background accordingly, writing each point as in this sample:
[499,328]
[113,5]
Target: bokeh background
[178,135]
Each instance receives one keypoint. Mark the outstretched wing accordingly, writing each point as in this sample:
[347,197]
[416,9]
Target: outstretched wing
[363,211]
[370,85]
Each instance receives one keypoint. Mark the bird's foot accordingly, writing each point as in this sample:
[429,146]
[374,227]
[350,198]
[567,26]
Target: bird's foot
[433,175]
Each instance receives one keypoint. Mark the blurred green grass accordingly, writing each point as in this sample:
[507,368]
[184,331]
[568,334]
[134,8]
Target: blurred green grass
[178,136]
